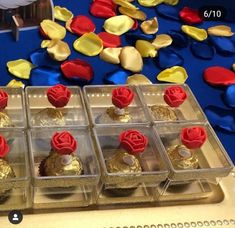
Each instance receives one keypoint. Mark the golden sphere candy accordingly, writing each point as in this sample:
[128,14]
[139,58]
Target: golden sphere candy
[62,13]
[131,59]
[220,30]
[150,26]
[138,79]
[111,55]
[146,49]
[162,41]
[88,44]
[118,25]
[194,32]
[136,14]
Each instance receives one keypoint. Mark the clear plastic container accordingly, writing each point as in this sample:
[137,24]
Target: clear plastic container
[160,111]
[42,114]
[63,191]
[14,114]
[15,192]
[120,187]
[99,103]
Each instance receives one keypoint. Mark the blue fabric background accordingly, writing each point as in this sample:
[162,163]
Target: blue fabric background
[206,95]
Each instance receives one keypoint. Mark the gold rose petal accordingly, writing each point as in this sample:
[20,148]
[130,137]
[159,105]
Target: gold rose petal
[175,74]
[67,25]
[131,59]
[150,26]
[161,41]
[53,30]
[150,3]
[146,49]
[58,50]
[62,13]
[20,68]
[220,30]
[136,14]
[88,44]
[171,2]
[194,32]
[15,84]
[138,79]
[233,66]
[111,55]
[125,4]
[118,25]
[45,43]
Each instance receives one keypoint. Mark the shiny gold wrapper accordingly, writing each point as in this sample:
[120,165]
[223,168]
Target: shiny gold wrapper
[61,165]
[220,30]
[146,49]
[162,41]
[136,14]
[161,112]
[182,158]
[124,118]
[6,172]
[150,26]
[62,13]
[150,3]
[5,120]
[194,32]
[49,117]
[125,4]
[111,55]
[138,79]
[15,84]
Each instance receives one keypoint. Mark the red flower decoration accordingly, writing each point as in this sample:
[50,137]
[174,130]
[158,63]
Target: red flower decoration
[174,96]
[122,97]
[63,143]
[190,16]
[133,141]
[58,95]
[3,99]
[110,40]
[4,148]
[193,137]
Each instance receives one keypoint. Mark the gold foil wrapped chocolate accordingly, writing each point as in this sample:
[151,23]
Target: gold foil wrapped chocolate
[146,49]
[123,115]
[49,117]
[220,30]
[111,55]
[182,158]
[131,59]
[150,26]
[138,79]
[61,165]
[194,32]
[162,41]
[62,13]
[88,44]
[163,113]
[20,68]
[135,14]
[5,120]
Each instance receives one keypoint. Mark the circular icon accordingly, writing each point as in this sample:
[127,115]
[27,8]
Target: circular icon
[15,217]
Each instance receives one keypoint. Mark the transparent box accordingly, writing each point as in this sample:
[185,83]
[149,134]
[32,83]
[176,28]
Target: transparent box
[99,99]
[135,187]
[192,183]
[152,96]
[42,114]
[63,191]
[14,113]
[15,192]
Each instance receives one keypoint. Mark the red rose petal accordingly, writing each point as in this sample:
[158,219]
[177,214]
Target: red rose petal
[135,26]
[190,16]
[109,3]
[110,40]
[77,69]
[217,75]
[103,10]
[82,24]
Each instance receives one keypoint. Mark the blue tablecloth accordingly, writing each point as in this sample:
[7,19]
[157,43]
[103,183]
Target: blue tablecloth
[206,95]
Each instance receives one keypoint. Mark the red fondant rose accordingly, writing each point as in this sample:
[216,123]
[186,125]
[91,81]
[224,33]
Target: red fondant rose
[174,96]
[3,99]
[122,97]
[58,95]
[133,141]
[193,137]
[63,143]
[4,148]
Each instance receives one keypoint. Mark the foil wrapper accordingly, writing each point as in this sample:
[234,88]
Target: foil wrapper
[182,158]
[5,120]
[6,172]
[61,165]
[49,117]
[161,112]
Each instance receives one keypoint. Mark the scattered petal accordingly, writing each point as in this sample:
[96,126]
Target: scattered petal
[162,41]
[62,13]
[118,25]
[202,50]
[174,74]
[136,14]
[82,24]
[169,12]
[150,3]
[88,44]
[117,77]
[67,25]
[180,40]
[15,84]
[125,4]
[133,37]
[20,68]
[229,96]
[138,79]
[220,30]
[110,40]
[223,45]
[190,16]
[171,2]
[146,49]
[150,26]
[194,32]
[111,55]
[233,66]
[102,9]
